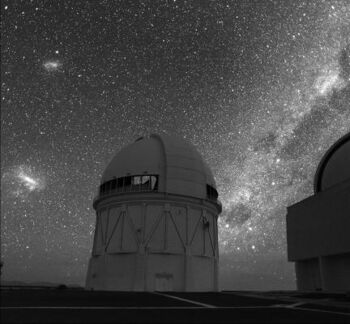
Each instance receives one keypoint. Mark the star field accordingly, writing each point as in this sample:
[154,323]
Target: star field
[261,88]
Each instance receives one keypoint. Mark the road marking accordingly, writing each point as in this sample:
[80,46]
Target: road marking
[294,305]
[186,300]
[321,310]
[251,295]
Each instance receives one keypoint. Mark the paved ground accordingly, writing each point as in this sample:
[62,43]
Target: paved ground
[80,306]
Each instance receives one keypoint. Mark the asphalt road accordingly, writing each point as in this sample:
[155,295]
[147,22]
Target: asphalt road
[80,306]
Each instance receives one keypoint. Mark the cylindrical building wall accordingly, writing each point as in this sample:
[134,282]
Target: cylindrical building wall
[144,243]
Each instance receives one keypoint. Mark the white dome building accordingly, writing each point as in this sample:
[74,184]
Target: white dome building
[318,228]
[156,220]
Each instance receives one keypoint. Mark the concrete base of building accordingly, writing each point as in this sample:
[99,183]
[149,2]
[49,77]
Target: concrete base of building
[145,244]
[327,273]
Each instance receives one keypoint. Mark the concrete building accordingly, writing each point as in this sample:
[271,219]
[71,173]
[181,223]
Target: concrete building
[318,228]
[156,220]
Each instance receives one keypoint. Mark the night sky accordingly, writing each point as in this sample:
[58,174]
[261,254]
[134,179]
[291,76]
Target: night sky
[261,88]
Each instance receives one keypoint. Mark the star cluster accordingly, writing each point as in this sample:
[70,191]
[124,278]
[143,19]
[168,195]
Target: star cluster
[261,88]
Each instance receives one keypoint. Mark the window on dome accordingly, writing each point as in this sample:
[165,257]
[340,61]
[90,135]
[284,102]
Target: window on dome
[136,180]
[120,184]
[146,183]
[130,184]
[154,182]
[113,184]
[212,194]
[108,187]
[135,183]
[127,184]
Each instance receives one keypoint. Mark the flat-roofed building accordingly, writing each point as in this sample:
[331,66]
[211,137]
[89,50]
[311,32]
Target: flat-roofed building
[318,228]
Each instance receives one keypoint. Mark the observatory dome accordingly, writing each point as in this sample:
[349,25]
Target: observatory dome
[175,165]
[334,167]
[156,220]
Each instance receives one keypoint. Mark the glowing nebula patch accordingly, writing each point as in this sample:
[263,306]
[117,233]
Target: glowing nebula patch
[52,66]
[22,180]
[28,182]
[325,83]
